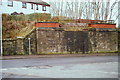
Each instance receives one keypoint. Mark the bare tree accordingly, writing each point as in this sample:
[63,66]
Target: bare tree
[97,10]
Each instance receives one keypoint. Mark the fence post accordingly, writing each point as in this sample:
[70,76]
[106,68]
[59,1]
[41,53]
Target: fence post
[29,46]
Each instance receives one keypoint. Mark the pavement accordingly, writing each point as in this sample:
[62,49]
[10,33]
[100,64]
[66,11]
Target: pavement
[59,66]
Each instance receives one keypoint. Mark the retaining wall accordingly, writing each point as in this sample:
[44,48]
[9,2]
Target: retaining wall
[51,41]
[77,41]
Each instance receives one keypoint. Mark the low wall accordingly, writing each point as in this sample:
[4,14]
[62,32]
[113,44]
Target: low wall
[12,46]
[9,47]
[20,46]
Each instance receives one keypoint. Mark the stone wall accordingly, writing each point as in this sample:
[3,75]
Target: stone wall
[19,46]
[33,43]
[76,41]
[12,46]
[51,41]
[9,47]
[119,41]
[103,41]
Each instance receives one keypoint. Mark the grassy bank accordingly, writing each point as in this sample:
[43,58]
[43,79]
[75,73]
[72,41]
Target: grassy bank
[14,25]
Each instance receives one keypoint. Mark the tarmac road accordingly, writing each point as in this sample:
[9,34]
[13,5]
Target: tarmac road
[61,67]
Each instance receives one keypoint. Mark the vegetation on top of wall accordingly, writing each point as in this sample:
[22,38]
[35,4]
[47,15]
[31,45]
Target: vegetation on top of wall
[17,25]
[118,29]
[62,19]
[39,16]
[27,17]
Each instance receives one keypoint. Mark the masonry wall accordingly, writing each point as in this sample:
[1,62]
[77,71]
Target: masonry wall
[13,46]
[103,41]
[20,46]
[51,41]
[9,47]
[76,41]
[119,41]
[33,43]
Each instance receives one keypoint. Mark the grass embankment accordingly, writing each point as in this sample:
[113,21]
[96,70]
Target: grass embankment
[19,25]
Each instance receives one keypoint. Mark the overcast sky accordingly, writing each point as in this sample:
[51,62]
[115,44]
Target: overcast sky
[115,11]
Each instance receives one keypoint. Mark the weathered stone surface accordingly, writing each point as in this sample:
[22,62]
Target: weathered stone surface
[19,46]
[9,47]
[103,41]
[33,43]
[77,41]
[51,41]
[119,41]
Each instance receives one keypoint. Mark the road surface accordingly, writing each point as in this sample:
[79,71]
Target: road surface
[61,67]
